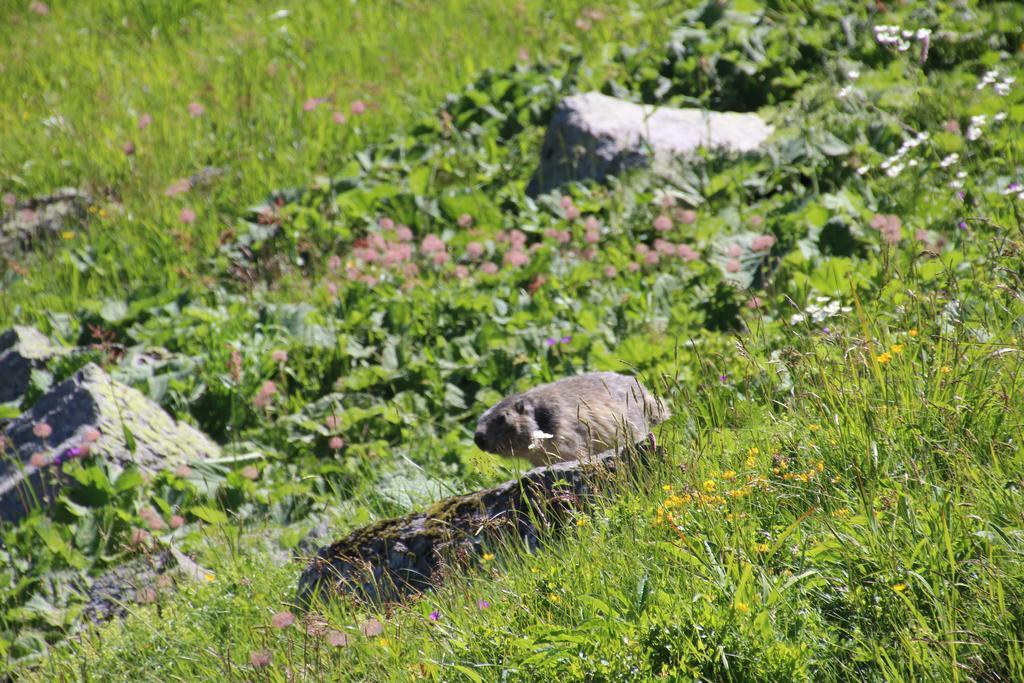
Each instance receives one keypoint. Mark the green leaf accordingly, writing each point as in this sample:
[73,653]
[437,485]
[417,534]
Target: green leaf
[209,514]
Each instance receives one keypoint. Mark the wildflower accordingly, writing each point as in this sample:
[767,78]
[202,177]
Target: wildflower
[195,109]
[335,443]
[179,186]
[863,170]
[38,459]
[581,521]
[896,349]
[632,266]
[177,521]
[265,395]
[128,148]
[742,607]
[431,244]
[754,303]
[883,358]
[912,332]
[761,547]
[42,430]
[187,215]
[729,475]
[338,117]
[259,659]
[735,251]
[733,265]
[572,213]
[686,216]
[152,518]
[10,200]
[814,427]
[183,471]
[482,604]
[592,237]
[949,160]
[523,55]
[40,8]
[723,378]
[282,619]
[709,485]
[465,220]
[651,258]
[945,369]
[610,272]
[139,537]
[662,223]
[250,472]
[686,252]
[357,107]
[435,615]
[337,638]
[312,103]
[371,628]
[489,268]
[899,587]
[279,356]
[516,258]
[762,242]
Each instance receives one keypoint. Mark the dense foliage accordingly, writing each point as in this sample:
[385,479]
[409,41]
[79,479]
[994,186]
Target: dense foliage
[835,322]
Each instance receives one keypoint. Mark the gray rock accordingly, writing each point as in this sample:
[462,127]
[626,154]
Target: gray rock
[41,218]
[22,350]
[89,400]
[397,557]
[593,136]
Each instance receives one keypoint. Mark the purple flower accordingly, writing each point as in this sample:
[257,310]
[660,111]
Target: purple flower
[565,340]
[435,616]
[482,604]
[723,378]
[825,330]
[550,341]
[963,225]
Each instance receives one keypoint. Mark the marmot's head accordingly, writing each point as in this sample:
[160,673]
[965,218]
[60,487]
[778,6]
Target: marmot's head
[510,427]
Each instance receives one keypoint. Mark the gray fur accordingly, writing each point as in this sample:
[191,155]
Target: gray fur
[585,415]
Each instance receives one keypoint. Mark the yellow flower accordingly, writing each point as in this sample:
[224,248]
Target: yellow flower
[488,557]
[899,587]
[709,485]
[883,358]
[814,427]
[896,348]
[742,607]
[753,452]
[761,547]
[841,513]
[103,213]
[945,369]
[209,578]
[666,488]
[554,598]
[68,234]
[729,475]
[581,521]
[912,332]
[820,466]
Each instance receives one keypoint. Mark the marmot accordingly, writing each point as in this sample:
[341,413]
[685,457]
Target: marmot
[570,418]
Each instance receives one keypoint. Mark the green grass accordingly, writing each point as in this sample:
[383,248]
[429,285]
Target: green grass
[102,65]
[841,492]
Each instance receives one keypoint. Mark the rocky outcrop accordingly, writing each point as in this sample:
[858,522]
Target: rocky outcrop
[41,218]
[89,415]
[594,136]
[405,555]
[22,350]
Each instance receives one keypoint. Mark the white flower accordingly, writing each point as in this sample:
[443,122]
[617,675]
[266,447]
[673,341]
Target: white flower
[973,133]
[894,170]
[1000,117]
[1002,88]
[912,162]
[979,120]
[844,92]
[949,160]
[863,170]
[923,33]
[956,184]
[280,14]
[853,74]
[961,175]
[1012,188]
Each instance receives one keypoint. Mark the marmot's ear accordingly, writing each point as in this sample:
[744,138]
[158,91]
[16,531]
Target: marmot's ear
[520,407]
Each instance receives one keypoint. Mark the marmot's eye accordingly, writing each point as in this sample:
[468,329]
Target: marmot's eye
[520,408]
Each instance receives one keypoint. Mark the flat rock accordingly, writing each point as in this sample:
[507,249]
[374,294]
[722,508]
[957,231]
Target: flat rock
[405,555]
[593,136]
[40,218]
[90,400]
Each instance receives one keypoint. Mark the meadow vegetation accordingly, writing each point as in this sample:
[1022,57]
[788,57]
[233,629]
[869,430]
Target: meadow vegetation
[835,322]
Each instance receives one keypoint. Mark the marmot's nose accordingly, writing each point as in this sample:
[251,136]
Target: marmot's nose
[479,439]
